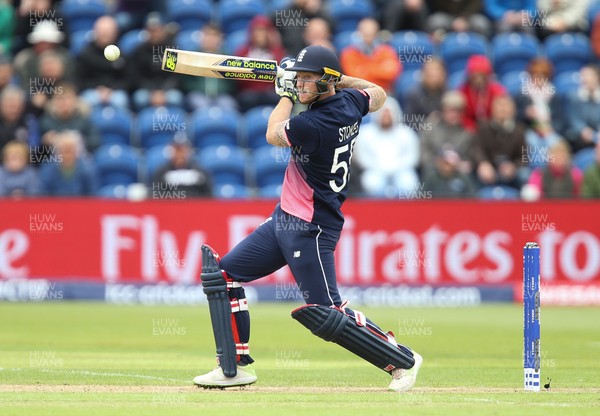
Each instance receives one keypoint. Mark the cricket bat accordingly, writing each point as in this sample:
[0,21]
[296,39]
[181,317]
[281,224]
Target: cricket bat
[202,64]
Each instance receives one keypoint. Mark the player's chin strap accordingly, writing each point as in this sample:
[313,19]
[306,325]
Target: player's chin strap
[353,331]
[228,313]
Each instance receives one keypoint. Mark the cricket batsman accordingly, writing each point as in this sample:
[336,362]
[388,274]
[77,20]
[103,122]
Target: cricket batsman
[304,228]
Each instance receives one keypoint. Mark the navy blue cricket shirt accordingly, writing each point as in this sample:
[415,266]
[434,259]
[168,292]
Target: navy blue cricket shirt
[322,139]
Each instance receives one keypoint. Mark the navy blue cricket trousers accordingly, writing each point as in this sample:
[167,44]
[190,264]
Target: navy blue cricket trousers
[285,239]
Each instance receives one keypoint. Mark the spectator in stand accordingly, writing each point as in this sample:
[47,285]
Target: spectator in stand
[583,110]
[446,180]
[72,176]
[591,179]
[447,134]
[17,178]
[560,16]
[52,72]
[457,16]
[425,98]
[28,14]
[15,122]
[148,80]
[404,15]
[45,37]
[480,90]
[264,42]
[182,173]
[318,32]
[204,92]
[101,81]
[499,146]
[388,153]
[7,76]
[290,23]
[558,179]
[512,15]
[371,59]
[539,107]
[7,23]
[66,112]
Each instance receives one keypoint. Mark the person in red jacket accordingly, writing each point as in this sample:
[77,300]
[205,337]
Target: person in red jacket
[595,35]
[264,42]
[371,59]
[480,90]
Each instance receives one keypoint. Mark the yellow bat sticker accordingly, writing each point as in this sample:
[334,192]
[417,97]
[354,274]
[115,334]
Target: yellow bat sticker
[171,60]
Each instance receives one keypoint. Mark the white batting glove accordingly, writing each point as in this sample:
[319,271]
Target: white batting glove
[284,83]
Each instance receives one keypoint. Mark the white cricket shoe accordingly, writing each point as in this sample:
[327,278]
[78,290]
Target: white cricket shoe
[245,375]
[404,379]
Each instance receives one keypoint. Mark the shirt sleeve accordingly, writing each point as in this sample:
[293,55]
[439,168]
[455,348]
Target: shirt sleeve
[303,133]
[361,99]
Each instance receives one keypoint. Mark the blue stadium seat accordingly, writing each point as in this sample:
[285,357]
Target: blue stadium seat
[235,15]
[189,14]
[269,165]
[347,13]
[81,14]
[226,164]
[344,39]
[231,191]
[568,51]
[114,191]
[414,48]
[131,40]
[155,158]
[188,40]
[234,41]
[405,83]
[456,79]
[113,124]
[79,40]
[456,48]
[514,82]
[214,126]
[499,192]
[158,125]
[278,5]
[584,158]
[513,51]
[566,82]
[255,127]
[116,164]
[270,191]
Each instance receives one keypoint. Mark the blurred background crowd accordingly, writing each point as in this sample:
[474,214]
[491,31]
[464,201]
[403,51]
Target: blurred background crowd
[487,98]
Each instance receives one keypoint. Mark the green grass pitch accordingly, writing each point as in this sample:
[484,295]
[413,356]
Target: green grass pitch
[75,358]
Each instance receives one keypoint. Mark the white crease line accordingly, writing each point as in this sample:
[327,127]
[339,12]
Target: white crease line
[96,373]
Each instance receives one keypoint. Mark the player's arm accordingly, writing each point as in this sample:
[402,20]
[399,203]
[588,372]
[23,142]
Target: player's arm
[277,120]
[376,93]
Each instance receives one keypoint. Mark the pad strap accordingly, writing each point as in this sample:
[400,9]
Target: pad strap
[360,318]
[242,348]
[238,305]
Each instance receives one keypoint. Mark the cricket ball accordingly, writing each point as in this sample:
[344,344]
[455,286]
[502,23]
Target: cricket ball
[112,52]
